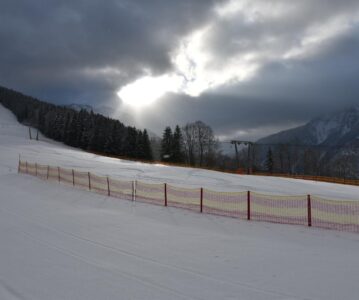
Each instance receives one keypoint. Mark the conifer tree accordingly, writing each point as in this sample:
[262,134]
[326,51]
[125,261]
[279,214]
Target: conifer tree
[269,161]
[147,150]
[166,145]
[177,146]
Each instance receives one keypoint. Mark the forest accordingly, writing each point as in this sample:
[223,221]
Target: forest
[83,129]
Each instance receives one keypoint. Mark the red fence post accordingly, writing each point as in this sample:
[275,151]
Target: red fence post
[108,187]
[133,190]
[48,172]
[89,175]
[201,204]
[58,172]
[165,194]
[73,177]
[248,205]
[309,211]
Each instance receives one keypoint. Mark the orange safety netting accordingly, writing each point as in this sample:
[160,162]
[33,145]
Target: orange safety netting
[183,197]
[54,173]
[22,167]
[41,171]
[99,184]
[150,193]
[304,210]
[279,209]
[121,189]
[31,169]
[231,204]
[335,214]
[66,176]
[81,179]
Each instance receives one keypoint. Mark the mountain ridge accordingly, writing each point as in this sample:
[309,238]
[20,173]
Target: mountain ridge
[339,128]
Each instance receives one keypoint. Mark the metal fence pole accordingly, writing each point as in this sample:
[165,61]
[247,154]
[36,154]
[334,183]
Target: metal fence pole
[108,187]
[248,205]
[309,211]
[89,175]
[165,190]
[134,190]
[201,202]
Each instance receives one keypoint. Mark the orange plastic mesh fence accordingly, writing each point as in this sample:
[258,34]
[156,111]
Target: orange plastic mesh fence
[150,193]
[335,214]
[66,176]
[183,197]
[53,173]
[42,171]
[303,210]
[81,179]
[99,184]
[22,166]
[231,204]
[279,209]
[121,189]
[31,169]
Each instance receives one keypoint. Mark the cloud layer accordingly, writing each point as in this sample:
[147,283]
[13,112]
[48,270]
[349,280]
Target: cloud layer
[246,67]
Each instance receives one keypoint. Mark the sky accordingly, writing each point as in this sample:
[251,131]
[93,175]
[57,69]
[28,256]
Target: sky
[247,68]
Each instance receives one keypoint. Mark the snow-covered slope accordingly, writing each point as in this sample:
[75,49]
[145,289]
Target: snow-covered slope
[14,141]
[57,242]
[62,243]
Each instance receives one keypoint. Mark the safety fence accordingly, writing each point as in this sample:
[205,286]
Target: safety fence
[298,210]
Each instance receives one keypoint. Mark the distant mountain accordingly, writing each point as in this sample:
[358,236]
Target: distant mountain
[327,145]
[341,128]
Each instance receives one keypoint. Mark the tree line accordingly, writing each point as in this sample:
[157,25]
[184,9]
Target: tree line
[312,160]
[194,144]
[83,129]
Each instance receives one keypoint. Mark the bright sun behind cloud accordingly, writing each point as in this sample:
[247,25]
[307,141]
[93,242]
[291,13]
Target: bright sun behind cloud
[146,90]
[197,68]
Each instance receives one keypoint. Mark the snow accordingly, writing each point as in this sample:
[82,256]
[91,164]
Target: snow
[48,152]
[323,128]
[58,242]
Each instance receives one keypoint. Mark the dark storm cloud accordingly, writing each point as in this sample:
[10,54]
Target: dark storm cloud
[54,45]
[279,97]
[305,52]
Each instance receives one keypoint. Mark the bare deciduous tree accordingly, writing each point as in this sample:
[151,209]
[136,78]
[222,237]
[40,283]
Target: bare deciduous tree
[199,143]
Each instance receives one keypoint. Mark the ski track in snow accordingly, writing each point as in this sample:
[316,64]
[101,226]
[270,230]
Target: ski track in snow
[59,242]
[132,256]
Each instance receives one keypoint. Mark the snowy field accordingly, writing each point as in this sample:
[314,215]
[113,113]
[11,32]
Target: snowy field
[57,242]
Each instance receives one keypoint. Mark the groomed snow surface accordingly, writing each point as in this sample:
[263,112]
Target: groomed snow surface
[57,242]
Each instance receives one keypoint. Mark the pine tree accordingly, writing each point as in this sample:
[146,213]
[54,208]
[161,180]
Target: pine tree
[130,147]
[147,150]
[269,161]
[166,145]
[177,146]
[72,132]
